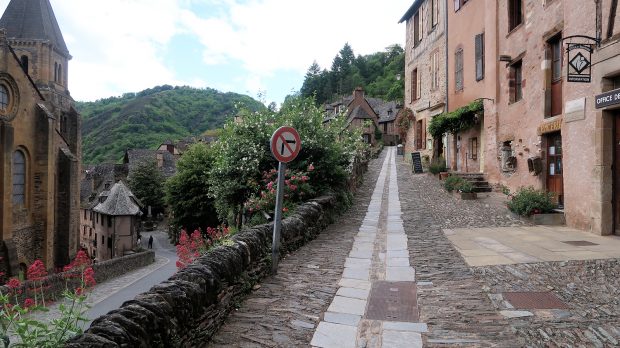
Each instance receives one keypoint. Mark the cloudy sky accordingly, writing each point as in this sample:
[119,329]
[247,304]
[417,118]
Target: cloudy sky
[243,46]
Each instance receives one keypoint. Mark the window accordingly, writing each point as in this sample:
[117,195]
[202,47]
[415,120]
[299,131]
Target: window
[458,71]
[84,214]
[616,82]
[556,58]
[102,240]
[435,70]
[516,74]
[24,62]
[515,14]
[457,5]
[4,98]
[19,178]
[55,72]
[60,74]
[434,13]
[109,221]
[414,85]
[473,148]
[479,57]
[418,136]
[416,29]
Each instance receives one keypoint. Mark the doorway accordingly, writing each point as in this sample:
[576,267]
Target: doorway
[555,168]
[616,173]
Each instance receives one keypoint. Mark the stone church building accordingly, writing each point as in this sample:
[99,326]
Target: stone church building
[39,140]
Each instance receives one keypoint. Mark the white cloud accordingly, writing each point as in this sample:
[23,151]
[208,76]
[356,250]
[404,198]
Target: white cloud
[119,45]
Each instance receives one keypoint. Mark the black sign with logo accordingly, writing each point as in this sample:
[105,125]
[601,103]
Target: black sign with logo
[579,62]
[607,99]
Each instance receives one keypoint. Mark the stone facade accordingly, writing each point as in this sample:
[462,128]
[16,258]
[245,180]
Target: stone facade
[468,148]
[425,73]
[187,310]
[582,134]
[39,139]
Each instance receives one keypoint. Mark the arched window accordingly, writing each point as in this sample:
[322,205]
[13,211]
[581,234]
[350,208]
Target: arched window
[4,98]
[24,61]
[55,72]
[19,177]
[60,74]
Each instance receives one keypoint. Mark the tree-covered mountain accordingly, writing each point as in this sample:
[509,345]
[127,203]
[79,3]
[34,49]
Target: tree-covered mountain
[146,119]
[381,74]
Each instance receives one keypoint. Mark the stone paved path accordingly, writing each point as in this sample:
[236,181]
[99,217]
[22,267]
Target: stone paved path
[378,263]
[286,309]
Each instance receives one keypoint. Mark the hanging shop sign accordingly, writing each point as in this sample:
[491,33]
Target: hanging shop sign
[579,49]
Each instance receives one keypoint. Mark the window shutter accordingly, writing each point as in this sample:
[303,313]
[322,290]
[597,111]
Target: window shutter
[424,133]
[416,28]
[479,57]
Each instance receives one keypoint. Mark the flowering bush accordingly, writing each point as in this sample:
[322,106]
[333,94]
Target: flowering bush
[191,247]
[527,201]
[297,188]
[14,318]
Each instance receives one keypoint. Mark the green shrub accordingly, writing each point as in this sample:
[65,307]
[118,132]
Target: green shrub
[466,187]
[453,183]
[437,166]
[528,200]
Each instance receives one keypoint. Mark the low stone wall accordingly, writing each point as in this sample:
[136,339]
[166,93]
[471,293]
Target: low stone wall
[187,309]
[55,284]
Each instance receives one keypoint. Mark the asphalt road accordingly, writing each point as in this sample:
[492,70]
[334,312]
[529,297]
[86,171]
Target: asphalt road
[162,249]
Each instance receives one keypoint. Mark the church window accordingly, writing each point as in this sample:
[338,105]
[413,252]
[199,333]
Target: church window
[55,72]
[24,62]
[4,98]
[60,74]
[19,177]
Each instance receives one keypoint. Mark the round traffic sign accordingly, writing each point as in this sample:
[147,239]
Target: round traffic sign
[285,144]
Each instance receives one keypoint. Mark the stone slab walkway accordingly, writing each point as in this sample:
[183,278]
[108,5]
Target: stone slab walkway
[511,245]
[377,288]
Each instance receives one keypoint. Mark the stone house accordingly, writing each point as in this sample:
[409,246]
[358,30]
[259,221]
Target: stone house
[550,127]
[472,71]
[40,147]
[165,159]
[110,222]
[376,117]
[425,74]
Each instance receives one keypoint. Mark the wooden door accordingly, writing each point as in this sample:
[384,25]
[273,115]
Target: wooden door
[555,168]
[616,174]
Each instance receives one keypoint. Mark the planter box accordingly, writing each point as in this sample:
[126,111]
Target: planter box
[466,196]
[553,219]
[443,175]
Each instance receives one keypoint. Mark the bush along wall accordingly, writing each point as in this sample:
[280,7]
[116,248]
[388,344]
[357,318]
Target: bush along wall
[187,309]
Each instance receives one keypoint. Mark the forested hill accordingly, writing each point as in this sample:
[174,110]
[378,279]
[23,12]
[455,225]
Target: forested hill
[148,118]
[381,74]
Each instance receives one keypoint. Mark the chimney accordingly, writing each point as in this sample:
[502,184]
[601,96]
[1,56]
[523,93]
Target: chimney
[359,93]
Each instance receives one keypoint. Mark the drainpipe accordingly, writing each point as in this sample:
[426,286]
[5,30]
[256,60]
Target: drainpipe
[453,152]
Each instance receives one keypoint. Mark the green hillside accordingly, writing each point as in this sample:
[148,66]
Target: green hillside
[146,119]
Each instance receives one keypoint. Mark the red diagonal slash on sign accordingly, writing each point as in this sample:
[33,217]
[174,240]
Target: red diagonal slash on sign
[286,143]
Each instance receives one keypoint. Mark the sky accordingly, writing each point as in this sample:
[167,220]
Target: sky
[261,48]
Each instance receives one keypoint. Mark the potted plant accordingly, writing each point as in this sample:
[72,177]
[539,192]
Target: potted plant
[536,206]
[438,167]
[466,190]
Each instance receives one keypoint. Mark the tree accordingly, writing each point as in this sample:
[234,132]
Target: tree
[187,193]
[147,184]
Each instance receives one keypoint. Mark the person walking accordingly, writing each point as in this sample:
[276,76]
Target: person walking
[151,242]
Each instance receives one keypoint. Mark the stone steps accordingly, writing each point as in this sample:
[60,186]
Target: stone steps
[477,180]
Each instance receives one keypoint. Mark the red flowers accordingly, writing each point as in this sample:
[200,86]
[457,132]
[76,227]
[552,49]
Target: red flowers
[13,283]
[36,271]
[191,247]
[28,303]
[88,277]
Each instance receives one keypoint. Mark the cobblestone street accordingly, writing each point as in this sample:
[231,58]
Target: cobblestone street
[458,305]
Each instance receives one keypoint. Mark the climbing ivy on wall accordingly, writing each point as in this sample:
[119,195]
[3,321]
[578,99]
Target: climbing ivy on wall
[456,121]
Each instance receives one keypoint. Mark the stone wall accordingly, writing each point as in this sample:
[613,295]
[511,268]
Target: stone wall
[103,271]
[187,309]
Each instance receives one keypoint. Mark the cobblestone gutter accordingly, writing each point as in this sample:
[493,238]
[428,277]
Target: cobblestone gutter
[187,309]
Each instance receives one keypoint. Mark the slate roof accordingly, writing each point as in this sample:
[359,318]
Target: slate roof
[33,20]
[119,201]
[387,111]
[411,11]
[95,179]
[136,157]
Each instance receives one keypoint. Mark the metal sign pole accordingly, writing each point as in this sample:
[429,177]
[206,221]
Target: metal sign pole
[275,245]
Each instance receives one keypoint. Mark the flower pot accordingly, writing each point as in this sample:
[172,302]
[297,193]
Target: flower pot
[551,219]
[468,196]
[443,175]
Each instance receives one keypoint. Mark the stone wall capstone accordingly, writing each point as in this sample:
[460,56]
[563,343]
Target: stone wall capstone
[188,308]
